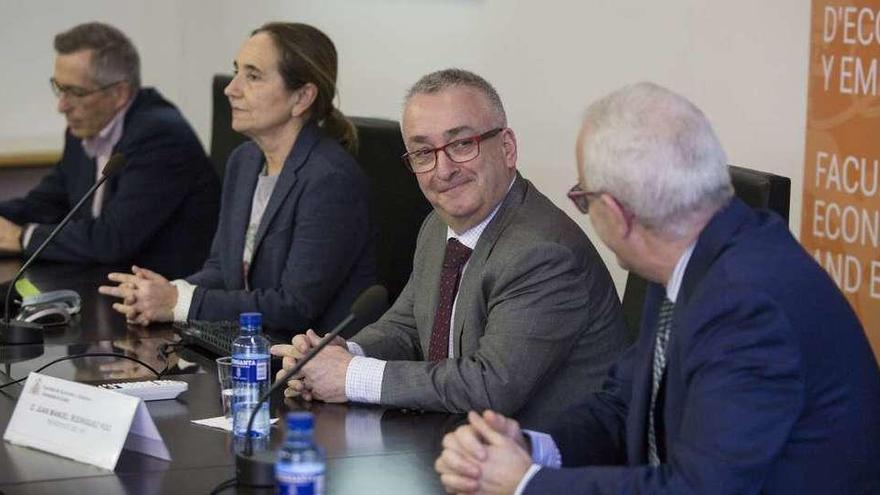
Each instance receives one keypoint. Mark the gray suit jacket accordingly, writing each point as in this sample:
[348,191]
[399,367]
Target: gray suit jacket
[537,321]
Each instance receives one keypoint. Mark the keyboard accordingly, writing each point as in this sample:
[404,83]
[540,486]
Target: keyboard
[216,336]
[213,336]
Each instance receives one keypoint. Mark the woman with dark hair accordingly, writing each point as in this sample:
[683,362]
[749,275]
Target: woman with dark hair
[294,239]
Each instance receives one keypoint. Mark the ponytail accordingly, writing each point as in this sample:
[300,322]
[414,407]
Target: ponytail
[339,127]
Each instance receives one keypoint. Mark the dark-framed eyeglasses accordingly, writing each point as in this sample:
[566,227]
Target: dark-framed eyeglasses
[581,198]
[76,91]
[459,151]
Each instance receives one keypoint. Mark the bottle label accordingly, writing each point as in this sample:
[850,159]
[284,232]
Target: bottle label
[300,483]
[250,370]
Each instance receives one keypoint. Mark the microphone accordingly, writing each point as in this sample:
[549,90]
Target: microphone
[20,332]
[259,470]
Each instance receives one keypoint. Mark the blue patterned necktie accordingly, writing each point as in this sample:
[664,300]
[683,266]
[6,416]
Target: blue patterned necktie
[664,324]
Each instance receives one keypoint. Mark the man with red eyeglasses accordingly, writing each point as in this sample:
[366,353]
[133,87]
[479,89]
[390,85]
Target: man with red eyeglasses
[508,307]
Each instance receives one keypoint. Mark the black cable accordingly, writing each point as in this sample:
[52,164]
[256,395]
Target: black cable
[89,354]
[224,486]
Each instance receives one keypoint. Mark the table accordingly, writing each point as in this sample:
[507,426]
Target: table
[370,450]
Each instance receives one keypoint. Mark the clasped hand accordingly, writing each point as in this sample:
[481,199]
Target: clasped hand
[10,236]
[147,297]
[322,378]
[488,455]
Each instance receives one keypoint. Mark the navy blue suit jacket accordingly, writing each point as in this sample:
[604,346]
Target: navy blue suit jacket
[158,212]
[770,387]
[313,253]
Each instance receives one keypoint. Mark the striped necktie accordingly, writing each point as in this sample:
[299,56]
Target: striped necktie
[664,324]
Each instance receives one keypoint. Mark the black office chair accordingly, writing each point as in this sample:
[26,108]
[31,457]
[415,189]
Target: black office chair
[398,206]
[755,188]
[223,138]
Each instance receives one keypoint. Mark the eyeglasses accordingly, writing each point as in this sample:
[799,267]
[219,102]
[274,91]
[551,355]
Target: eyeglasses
[459,151]
[581,198]
[76,91]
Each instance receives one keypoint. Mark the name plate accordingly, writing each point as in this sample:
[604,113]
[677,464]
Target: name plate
[81,422]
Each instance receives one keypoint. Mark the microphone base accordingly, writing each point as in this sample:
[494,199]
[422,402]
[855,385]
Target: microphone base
[255,470]
[20,332]
[11,354]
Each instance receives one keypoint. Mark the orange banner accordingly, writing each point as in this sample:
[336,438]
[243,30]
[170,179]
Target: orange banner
[841,202]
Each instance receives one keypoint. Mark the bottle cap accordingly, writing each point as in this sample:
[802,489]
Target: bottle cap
[250,320]
[300,421]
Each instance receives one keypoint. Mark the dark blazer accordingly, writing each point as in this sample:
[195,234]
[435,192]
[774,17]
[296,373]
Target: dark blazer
[537,320]
[313,253]
[771,386]
[159,212]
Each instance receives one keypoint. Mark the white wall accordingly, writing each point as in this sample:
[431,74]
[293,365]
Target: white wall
[744,63]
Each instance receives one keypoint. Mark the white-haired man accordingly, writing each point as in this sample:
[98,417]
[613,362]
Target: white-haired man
[751,373]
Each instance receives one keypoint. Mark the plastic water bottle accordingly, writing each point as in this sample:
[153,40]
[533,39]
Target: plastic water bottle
[250,376]
[299,469]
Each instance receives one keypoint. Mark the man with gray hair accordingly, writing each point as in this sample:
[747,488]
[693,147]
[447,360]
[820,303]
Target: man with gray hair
[508,306]
[751,373]
[160,210]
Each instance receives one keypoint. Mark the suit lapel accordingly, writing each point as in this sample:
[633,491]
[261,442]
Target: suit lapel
[434,251]
[473,274]
[714,237]
[239,217]
[83,179]
[306,140]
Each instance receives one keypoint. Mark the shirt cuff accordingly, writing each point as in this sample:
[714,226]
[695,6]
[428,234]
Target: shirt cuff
[185,292]
[526,478]
[363,380]
[544,449]
[26,235]
[355,348]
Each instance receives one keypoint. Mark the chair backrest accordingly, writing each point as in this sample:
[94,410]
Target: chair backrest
[755,188]
[398,205]
[223,138]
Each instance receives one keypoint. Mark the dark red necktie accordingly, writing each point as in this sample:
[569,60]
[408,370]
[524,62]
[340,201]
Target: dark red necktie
[456,256]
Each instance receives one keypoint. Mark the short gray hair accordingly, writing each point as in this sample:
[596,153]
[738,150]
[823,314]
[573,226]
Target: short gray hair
[447,78]
[655,152]
[114,56]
